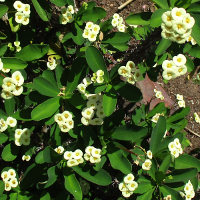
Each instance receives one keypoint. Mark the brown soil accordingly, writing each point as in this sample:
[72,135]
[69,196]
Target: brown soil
[180,85]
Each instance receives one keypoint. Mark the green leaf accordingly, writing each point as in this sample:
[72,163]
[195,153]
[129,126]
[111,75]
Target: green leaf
[194,8]
[190,65]
[157,134]
[195,32]
[109,104]
[77,35]
[146,196]
[118,160]
[48,155]
[9,152]
[156,19]
[195,52]
[180,114]
[128,91]
[3,10]
[9,106]
[187,161]
[167,190]
[165,163]
[144,185]
[183,3]
[118,40]
[139,19]
[95,60]
[2,36]
[172,3]
[129,134]
[93,14]
[100,178]
[52,176]
[59,71]
[59,2]
[32,52]
[45,87]
[162,3]
[181,175]
[159,108]
[75,76]
[41,12]
[3,138]
[45,109]
[2,186]
[187,47]
[45,196]
[3,49]
[72,185]
[162,46]
[13,63]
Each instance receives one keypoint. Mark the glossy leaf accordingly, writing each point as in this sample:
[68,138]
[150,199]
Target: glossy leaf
[157,135]
[3,138]
[195,32]
[41,12]
[45,109]
[156,19]
[3,10]
[52,176]
[13,63]
[72,185]
[9,152]
[32,52]
[162,46]
[59,2]
[146,196]
[100,178]
[95,60]
[165,163]
[162,3]
[3,49]
[9,106]
[109,104]
[180,114]
[139,19]
[45,87]
[168,190]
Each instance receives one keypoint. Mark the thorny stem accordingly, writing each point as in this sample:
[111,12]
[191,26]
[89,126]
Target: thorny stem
[3,75]
[127,150]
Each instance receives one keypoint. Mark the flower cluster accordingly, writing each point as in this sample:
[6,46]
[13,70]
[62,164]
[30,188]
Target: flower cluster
[118,22]
[128,186]
[65,121]
[74,158]
[9,179]
[92,154]
[67,15]
[5,70]
[189,191]
[59,150]
[10,121]
[51,64]
[16,44]
[12,86]
[175,148]
[177,25]
[156,117]
[197,118]
[181,102]
[26,157]
[174,68]
[98,77]
[91,31]
[168,197]
[93,114]
[192,40]
[22,137]
[159,94]
[130,73]
[23,12]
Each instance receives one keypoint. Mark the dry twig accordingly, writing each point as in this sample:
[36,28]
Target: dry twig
[191,131]
[124,4]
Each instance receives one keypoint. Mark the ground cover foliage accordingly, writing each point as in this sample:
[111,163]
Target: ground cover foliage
[64,133]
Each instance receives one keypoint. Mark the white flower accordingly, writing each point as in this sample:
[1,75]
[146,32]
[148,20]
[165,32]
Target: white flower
[124,71]
[129,178]
[87,81]
[95,29]
[5,176]
[17,43]
[179,27]
[188,21]
[70,123]
[17,90]
[86,157]
[67,115]
[6,94]
[52,65]
[179,97]
[12,122]
[59,150]
[92,104]
[7,186]
[89,149]
[100,113]
[81,88]
[26,10]
[181,103]
[114,22]
[94,160]
[17,78]
[70,9]
[59,118]
[78,154]
[126,194]
[72,162]
[116,16]
[167,18]
[122,187]
[178,13]
[13,182]
[100,79]
[156,117]
[24,22]
[19,17]
[169,74]
[89,25]
[147,165]
[8,84]
[132,186]
[92,37]
[96,153]
[121,28]
[168,64]
[3,125]
[188,187]
[100,72]
[131,64]
[80,160]
[85,121]
[68,155]
[88,113]
[11,173]
[182,70]
[26,157]
[64,127]
[19,6]
[179,60]
[131,79]
[86,33]
[149,154]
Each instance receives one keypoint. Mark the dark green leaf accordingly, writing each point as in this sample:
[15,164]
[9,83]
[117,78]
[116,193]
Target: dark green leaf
[194,8]
[41,12]
[156,19]
[167,190]
[195,51]
[9,152]
[9,106]
[100,178]
[52,176]
[45,109]
[157,134]
[59,2]
[13,63]
[2,186]
[109,104]
[77,35]
[165,163]
[162,46]
[72,185]
[3,49]
[195,31]
[3,10]
[146,196]
[162,3]
[3,138]
[180,114]
[45,87]
[139,19]
[190,65]
[32,52]
[45,196]
[95,61]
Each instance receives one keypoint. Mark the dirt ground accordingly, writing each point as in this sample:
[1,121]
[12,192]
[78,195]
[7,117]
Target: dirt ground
[180,85]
